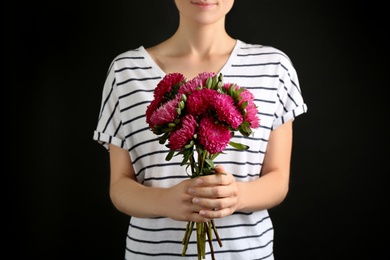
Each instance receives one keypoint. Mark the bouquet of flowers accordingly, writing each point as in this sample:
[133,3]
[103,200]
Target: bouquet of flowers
[196,119]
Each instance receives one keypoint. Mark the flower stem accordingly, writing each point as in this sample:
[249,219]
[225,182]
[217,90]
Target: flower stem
[187,235]
[192,163]
[210,238]
[201,240]
[216,232]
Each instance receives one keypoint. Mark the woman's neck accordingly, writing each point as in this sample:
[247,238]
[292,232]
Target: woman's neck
[194,49]
[201,40]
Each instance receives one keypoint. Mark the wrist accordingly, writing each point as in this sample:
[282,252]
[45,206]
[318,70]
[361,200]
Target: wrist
[241,194]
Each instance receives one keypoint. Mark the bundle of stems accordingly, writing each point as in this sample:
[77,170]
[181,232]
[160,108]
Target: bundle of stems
[205,166]
[203,230]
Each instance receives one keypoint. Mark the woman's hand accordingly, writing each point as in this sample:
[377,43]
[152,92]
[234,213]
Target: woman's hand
[203,198]
[216,195]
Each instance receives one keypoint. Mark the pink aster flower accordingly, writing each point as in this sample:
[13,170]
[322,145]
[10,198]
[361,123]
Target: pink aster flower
[251,108]
[165,114]
[251,116]
[212,136]
[226,110]
[227,86]
[203,76]
[152,107]
[189,87]
[200,101]
[197,82]
[184,134]
[165,85]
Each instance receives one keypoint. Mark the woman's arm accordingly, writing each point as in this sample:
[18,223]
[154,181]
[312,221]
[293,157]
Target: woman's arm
[272,187]
[135,199]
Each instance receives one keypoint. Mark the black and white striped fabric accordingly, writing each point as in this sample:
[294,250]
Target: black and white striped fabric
[269,74]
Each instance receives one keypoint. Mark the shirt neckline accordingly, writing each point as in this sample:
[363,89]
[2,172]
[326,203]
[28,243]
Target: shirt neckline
[223,70]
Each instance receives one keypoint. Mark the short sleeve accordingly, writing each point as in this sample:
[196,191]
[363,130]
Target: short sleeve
[290,103]
[109,128]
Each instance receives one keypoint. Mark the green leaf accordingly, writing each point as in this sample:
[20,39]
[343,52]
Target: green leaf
[162,139]
[169,155]
[186,156]
[214,156]
[238,145]
[210,163]
[245,129]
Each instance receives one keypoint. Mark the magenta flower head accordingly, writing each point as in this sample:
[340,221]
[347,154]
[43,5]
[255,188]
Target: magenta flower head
[251,109]
[214,137]
[226,110]
[167,83]
[189,87]
[165,91]
[203,76]
[200,101]
[250,115]
[183,134]
[150,110]
[165,114]
[197,82]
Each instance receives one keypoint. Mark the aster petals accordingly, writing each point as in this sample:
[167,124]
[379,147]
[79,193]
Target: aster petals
[203,76]
[150,110]
[165,114]
[183,134]
[251,109]
[165,85]
[200,102]
[251,116]
[189,87]
[214,137]
[200,107]
[226,110]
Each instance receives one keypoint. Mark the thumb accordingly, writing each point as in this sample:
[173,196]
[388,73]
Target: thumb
[220,169]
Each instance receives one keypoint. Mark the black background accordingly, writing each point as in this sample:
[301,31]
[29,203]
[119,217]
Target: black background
[56,180]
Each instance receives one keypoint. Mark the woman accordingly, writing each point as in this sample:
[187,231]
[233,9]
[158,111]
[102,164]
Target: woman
[158,195]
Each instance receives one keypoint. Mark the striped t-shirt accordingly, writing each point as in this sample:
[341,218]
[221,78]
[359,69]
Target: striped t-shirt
[269,74]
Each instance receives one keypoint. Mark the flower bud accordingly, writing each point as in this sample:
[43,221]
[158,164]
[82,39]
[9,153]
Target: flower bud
[181,105]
